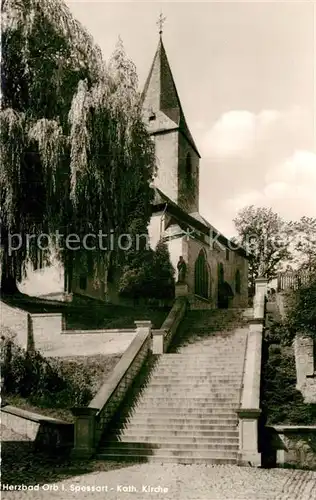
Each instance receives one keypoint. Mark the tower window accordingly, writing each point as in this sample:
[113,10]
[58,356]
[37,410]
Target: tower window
[188,169]
[227,254]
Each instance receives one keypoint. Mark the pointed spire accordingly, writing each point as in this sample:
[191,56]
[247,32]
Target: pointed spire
[161,22]
[160,94]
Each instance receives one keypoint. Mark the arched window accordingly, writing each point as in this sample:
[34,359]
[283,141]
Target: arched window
[237,281]
[188,169]
[201,276]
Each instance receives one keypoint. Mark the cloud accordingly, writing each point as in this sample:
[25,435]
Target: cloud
[264,159]
[241,134]
[289,188]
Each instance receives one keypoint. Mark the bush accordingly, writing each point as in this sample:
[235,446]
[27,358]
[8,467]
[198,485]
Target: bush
[44,383]
[281,402]
[149,275]
[301,316]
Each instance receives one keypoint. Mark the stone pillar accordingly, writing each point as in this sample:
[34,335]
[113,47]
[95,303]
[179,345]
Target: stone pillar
[259,299]
[248,437]
[30,334]
[143,326]
[158,341]
[63,323]
[181,290]
[84,432]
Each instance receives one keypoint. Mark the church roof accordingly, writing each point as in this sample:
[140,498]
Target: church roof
[163,203]
[160,94]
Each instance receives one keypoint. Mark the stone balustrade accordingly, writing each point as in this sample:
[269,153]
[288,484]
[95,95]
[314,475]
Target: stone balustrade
[92,421]
[249,411]
[162,338]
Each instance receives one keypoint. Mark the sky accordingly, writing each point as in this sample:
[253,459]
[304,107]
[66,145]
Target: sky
[244,72]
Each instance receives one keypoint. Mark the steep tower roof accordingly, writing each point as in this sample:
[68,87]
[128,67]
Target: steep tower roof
[160,94]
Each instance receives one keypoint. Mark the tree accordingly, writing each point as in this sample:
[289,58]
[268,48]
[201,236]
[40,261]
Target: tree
[45,53]
[303,235]
[264,235]
[76,156]
[149,274]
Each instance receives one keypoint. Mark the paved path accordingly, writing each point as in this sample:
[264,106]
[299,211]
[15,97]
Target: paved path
[180,482]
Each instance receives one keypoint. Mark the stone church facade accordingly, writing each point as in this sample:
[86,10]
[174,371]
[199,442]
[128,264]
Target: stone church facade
[216,274]
[216,271]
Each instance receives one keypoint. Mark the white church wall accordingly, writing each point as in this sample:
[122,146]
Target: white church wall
[154,230]
[45,281]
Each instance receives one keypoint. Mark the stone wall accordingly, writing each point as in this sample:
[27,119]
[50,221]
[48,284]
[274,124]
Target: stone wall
[291,446]
[215,256]
[304,350]
[47,329]
[51,340]
[46,433]
[167,163]
[188,193]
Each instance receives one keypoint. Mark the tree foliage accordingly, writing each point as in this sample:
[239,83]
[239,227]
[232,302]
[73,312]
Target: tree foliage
[303,236]
[301,309]
[263,234]
[75,155]
[149,274]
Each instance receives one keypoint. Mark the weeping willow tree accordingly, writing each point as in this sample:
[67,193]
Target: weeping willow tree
[75,155]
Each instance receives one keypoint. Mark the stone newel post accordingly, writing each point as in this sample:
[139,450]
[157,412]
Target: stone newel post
[158,341]
[84,429]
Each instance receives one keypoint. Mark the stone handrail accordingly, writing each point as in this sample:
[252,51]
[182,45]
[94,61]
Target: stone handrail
[249,410]
[91,421]
[45,432]
[162,338]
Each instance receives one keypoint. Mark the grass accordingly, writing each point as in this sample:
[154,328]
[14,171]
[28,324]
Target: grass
[96,369]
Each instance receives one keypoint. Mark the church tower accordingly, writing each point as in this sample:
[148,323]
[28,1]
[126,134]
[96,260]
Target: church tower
[176,153]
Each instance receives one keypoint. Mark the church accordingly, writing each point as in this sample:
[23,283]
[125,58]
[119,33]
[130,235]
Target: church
[216,272]
[212,271]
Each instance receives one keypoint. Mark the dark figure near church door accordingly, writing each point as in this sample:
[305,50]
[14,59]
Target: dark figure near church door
[225,295]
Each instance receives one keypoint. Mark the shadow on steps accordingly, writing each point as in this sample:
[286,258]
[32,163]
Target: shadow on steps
[200,324]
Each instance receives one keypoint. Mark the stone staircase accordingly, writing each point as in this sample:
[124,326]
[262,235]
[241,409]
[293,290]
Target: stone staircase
[187,411]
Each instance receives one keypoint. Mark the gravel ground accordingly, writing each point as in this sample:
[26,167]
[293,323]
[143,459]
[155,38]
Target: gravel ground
[171,482]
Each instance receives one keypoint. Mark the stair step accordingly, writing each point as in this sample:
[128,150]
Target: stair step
[197,385]
[163,459]
[187,425]
[185,403]
[186,452]
[182,420]
[196,412]
[179,438]
[210,376]
[173,445]
[177,393]
[193,432]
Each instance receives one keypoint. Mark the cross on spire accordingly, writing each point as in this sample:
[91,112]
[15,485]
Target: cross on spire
[161,22]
